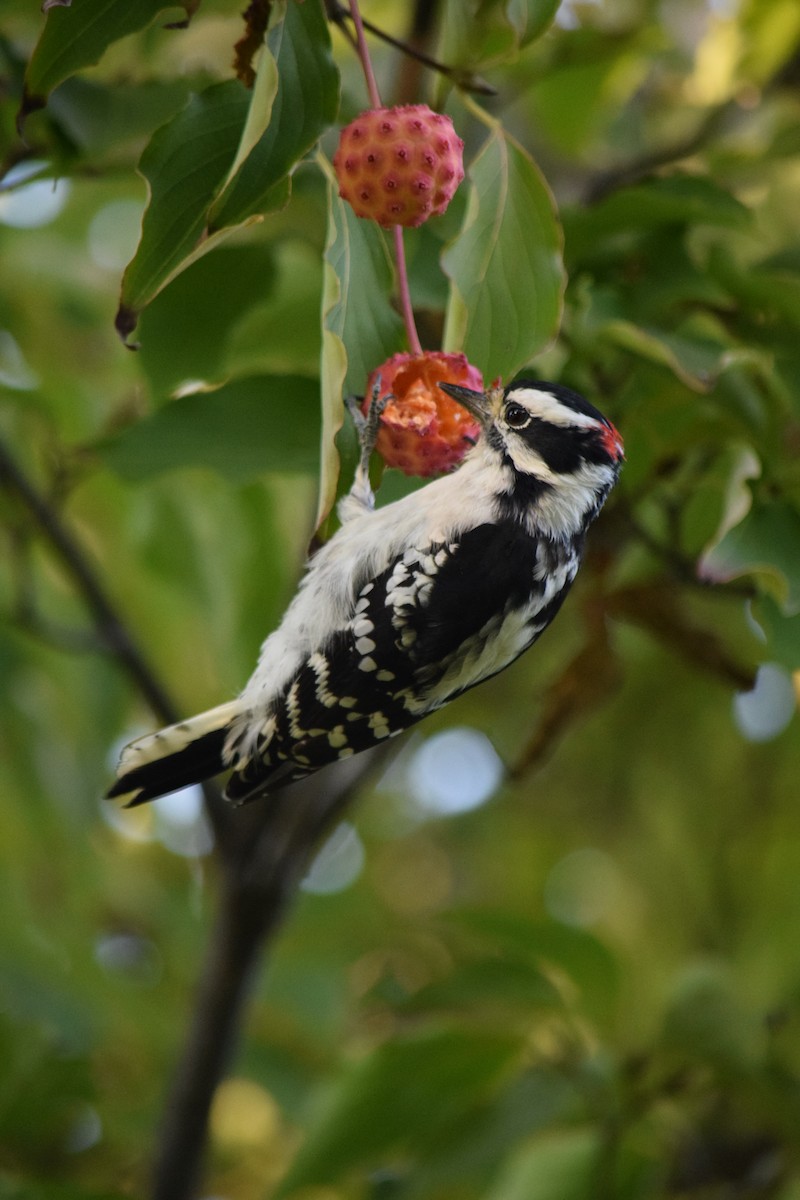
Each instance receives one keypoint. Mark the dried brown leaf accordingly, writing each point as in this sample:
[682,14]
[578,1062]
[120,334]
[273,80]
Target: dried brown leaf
[256,19]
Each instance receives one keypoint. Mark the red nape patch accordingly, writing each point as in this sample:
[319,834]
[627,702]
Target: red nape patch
[613,442]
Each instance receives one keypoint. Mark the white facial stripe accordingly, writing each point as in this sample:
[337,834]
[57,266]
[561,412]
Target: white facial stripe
[529,462]
[548,408]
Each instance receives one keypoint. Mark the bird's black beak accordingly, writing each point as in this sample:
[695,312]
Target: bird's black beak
[477,404]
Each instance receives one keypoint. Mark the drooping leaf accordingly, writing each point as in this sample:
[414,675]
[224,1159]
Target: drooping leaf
[264,88]
[184,165]
[77,36]
[249,426]
[360,327]
[505,265]
[185,332]
[226,159]
[304,103]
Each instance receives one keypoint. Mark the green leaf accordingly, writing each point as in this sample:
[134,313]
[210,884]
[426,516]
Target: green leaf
[505,265]
[675,200]
[491,32]
[101,119]
[262,93]
[227,157]
[558,1166]
[490,987]
[406,1092]
[603,79]
[185,331]
[766,291]
[242,430]
[465,1161]
[258,343]
[764,544]
[578,954]
[706,1021]
[184,165]
[77,36]
[694,363]
[770,33]
[531,18]
[360,327]
[782,632]
[305,102]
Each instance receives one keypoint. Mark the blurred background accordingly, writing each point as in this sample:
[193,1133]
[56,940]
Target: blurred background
[553,951]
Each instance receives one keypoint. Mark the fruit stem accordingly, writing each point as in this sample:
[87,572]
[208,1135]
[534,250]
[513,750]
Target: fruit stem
[363,54]
[405,295]
[399,248]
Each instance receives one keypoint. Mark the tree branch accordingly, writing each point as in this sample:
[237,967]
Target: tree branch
[276,839]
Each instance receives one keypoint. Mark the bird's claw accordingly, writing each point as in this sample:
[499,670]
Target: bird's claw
[367,424]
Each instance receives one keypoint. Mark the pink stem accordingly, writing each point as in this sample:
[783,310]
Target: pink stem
[363,54]
[405,295]
[399,248]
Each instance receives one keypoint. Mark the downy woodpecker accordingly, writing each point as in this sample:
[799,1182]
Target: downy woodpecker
[409,605]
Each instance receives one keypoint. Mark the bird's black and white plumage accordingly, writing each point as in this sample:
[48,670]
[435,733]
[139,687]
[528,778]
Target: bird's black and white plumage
[409,605]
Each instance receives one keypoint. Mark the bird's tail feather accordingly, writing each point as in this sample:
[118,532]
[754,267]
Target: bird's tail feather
[174,757]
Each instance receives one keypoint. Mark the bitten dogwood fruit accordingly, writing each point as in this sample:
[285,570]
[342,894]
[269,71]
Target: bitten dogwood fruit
[422,431]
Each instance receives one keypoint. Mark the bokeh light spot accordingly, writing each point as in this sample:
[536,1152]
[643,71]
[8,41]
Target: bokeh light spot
[454,772]
[31,205]
[338,863]
[765,711]
[244,1114]
[181,823]
[582,887]
[114,233]
[15,373]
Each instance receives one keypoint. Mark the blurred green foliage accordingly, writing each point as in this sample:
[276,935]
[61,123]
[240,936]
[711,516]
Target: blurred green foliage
[587,985]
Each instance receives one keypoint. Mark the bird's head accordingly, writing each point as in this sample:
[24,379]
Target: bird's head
[549,441]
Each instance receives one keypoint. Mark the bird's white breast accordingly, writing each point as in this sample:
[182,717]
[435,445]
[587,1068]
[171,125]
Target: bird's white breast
[361,549]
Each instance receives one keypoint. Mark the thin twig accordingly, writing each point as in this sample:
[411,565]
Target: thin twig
[111,629]
[463,78]
[115,635]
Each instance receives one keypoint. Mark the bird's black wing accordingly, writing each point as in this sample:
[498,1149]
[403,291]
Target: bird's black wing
[371,679]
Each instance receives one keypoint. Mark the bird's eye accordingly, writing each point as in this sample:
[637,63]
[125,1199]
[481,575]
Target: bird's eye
[516,416]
